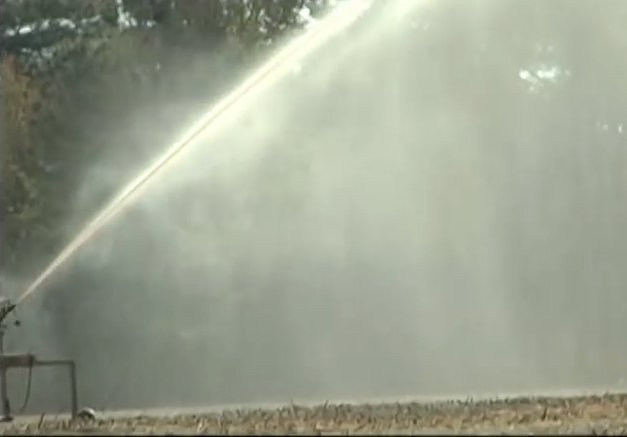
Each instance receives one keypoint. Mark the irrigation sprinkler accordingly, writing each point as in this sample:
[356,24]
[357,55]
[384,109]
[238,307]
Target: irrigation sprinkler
[273,68]
[26,361]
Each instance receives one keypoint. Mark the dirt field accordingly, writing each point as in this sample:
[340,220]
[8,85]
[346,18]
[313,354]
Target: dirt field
[605,414]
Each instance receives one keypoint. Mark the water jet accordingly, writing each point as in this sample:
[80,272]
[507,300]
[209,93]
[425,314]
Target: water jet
[275,67]
[337,20]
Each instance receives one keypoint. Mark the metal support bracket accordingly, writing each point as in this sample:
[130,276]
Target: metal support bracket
[28,361]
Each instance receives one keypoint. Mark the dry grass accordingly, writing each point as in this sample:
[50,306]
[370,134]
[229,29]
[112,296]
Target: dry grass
[590,414]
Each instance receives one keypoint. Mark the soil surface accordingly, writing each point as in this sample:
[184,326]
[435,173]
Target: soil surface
[603,414]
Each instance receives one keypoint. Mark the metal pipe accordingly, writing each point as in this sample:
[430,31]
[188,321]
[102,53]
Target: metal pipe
[74,389]
[4,395]
[73,386]
[13,361]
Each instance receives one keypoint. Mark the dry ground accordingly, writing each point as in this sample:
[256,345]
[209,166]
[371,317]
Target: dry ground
[606,414]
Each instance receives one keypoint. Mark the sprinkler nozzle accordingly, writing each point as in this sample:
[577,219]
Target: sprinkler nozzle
[6,307]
